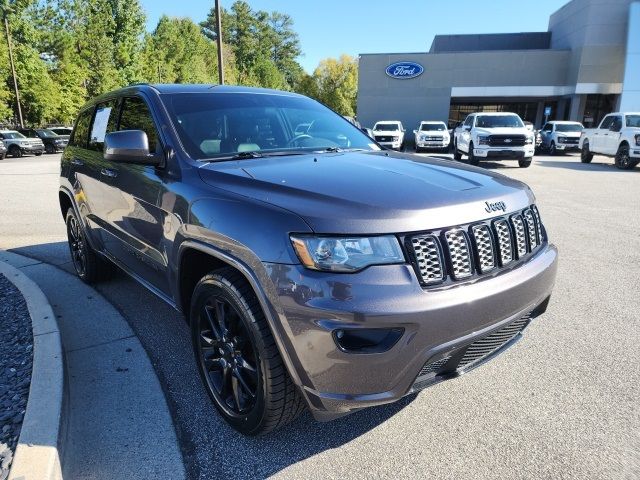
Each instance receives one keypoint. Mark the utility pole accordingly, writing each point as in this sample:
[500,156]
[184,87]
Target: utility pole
[13,69]
[219,40]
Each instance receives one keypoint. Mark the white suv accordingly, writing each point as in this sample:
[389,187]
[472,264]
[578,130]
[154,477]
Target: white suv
[495,136]
[431,135]
[389,133]
[560,137]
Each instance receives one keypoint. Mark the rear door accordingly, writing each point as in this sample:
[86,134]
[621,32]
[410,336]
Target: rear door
[135,221]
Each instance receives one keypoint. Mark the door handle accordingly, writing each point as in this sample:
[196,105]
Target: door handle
[77,161]
[107,172]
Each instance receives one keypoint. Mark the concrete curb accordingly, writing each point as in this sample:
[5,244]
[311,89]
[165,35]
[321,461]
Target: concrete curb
[37,455]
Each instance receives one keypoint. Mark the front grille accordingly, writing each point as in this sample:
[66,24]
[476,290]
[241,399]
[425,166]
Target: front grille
[507,140]
[570,141]
[385,139]
[433,366]
[433,139]
[489,344]
[480,248]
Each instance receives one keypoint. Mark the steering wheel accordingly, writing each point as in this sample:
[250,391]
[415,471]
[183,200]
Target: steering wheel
[297,138]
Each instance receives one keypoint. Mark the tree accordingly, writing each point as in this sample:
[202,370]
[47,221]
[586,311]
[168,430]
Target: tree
[334,83]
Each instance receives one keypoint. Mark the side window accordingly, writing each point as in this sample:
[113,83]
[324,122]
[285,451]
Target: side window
[468,121]
[104,121]
[80,133]
[136,116]
[617,123]
[606,123]
[548,127]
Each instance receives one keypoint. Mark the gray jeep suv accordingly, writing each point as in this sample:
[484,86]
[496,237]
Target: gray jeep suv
[315,269]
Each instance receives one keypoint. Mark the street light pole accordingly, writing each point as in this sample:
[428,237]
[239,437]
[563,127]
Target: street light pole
[13,69]
[219,40]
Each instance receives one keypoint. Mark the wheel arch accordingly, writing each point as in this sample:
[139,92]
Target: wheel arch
[191,253]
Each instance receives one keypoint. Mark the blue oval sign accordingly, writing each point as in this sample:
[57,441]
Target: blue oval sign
[404,70]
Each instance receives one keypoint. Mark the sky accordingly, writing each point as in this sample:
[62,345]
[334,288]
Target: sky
[330,28]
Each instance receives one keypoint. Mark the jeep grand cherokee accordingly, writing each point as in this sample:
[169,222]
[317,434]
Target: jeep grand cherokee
[315,269]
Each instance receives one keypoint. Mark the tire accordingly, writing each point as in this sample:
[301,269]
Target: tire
[585,154]
[2,156]
[456,153]
[38,154]
[89,266]
[552,149]
[15,151]
[623,160]
[237,357]
[473,160]
[525,162]
[49,149]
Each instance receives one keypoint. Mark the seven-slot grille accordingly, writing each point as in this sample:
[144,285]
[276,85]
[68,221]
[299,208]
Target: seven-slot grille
[479,248]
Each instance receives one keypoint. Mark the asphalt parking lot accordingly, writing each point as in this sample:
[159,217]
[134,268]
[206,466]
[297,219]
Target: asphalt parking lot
[563,403]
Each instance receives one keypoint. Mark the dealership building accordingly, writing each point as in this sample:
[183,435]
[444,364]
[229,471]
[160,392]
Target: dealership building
[584,66]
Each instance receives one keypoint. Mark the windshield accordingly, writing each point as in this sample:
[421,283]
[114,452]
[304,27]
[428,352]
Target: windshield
[429,127]
[12,135]
[569,127]
[387,127]
[46,133]
[633,121]
[496,121]
[218,125]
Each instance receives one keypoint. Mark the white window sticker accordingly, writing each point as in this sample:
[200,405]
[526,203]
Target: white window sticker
[100,123]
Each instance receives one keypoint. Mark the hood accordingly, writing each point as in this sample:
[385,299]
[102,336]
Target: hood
[569,134]
[503,131]
[370,192]
[392,133]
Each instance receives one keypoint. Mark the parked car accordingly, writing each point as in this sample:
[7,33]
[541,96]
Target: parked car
[389,133]
[62,131]
[537,136]
[52,141]
[309,275]
[497,136]
[561,136]
[618,136]
[18,145]
[431,135]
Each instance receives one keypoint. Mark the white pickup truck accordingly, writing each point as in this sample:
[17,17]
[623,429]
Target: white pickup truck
[389,133]
[494,136]
[617,136]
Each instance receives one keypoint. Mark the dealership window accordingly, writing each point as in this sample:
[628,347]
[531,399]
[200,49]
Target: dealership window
[596,107]
[526,110]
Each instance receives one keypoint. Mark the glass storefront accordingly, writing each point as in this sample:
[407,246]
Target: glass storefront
[527,110]
[596,107]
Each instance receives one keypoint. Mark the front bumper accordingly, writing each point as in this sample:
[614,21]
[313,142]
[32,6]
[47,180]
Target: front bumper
[315,304]
[32,148]
[395,145]
[567,147]
[513,153]
[431,144]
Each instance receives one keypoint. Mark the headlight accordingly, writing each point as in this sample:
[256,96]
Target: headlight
[638,140]
[346,254]
[483,140]
[561,139]
[423,138]
[529,140]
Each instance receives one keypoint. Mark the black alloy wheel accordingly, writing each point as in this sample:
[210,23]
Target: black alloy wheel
[77,245]
[585,154]
[227,355]
[238,360]
[623,159]
[473,160]
[15,151]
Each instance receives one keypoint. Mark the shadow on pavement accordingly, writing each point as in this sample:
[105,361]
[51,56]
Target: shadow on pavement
[210,448]
[585,167]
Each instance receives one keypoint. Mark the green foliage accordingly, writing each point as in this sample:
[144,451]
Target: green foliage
[334,83]
[68,51]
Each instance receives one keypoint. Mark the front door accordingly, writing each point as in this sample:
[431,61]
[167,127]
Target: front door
[135,221]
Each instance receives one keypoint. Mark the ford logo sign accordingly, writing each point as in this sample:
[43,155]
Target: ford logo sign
[404,70]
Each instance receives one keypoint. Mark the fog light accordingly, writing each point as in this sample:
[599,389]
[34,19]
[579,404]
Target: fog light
[367,340]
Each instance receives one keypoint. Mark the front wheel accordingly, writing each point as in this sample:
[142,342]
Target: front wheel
[38,154]
[237,356]
[15,151]
[552,149]
[456,153]
[49,149]
[585,154]
[623,160]
[473,160]
[525,162]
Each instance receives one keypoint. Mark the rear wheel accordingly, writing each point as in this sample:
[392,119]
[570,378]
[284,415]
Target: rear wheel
[585,154]
[623,160]
[237,356]
[38,154]
[89,266]
[473,160]
[525,162]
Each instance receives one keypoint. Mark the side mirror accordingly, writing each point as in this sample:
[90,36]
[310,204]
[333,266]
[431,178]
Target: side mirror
[129,146]
[415,131]
[467,128]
